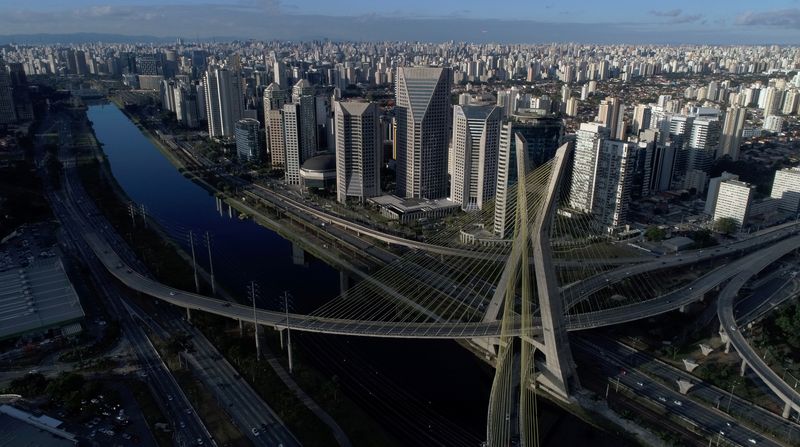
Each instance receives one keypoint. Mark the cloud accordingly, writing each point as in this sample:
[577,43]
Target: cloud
[782,18]
[676,16]
[668,13]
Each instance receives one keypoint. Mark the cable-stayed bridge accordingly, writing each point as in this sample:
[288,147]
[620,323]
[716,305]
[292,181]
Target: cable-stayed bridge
[516,296]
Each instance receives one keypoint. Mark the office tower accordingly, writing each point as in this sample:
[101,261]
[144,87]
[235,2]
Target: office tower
[167,92]
[641,118]
[70,58]
[533,139]
[358,150]
[186,105]
[202,110]
[291,141]
[475,143]
[23,106]
[610,115]
[703,143]
[611,184]
[303,96]
[589,140]
[274,100]
[279,74]
[80,63]
[786,189]
[8,113]
[149,64]
[248,143]
[713,191]
[423,126]
[199,60]
[732,132]
[733,201]
[224,102]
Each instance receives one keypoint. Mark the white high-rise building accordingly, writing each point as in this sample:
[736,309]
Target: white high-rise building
[291,141]
[703,143]
[358,150]
[423,129]
[773,123]
[279,75]
[713,191]
[274,100]
[773,98]
[786,188]
[248,142]
[641,118]
[475,142]
[733,201]
[612,181]
[590,138]
[791,101]
[610,115]
[732,132]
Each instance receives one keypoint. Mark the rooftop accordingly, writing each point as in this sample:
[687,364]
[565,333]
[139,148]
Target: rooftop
[36,297]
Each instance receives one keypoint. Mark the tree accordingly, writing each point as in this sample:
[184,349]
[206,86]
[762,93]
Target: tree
[655,234]
[703,238]
[726,225]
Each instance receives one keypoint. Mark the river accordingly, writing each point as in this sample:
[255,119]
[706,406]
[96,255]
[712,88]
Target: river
[423,392]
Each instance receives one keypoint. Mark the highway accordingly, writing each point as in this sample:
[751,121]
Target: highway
[709,420]
[176,406]
[727,318]
[245,406]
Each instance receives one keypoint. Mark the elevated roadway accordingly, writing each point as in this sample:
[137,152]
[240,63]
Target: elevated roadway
[725,312]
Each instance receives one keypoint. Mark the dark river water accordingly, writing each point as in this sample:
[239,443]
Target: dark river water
[423,392]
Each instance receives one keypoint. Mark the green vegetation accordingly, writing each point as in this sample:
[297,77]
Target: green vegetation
[725,225]
[703,239]
[109,339]
[655,233]
[215,418]
[782,329]
[151,410]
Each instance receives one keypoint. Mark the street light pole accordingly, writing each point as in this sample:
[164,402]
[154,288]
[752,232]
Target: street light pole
[730,398]
[255,319]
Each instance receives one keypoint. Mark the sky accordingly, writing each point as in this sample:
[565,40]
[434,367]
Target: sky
[506,21]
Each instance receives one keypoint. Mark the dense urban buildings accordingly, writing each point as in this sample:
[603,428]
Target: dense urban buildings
[358,150]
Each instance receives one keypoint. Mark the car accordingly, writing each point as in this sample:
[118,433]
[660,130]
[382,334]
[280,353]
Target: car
[729,423]
[188,411]
[169,397]
[752,441]
[733,327]
[640,384]
[226,304]
[662,398]
[722,433]
[182,424]
[255,431]
[172,294]
[677,402]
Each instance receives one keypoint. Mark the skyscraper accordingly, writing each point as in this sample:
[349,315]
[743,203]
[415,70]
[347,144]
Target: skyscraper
[703,143]
[589,140]
[358,150]
[303,96]
[224,102]
[534,140]
[291,141]
[612,184]
[279,74]
[641,118]
[274,100]
[602,177]
[732,132]
[248,144]
[7,110]
[610,115]
[423,124]
[476,139]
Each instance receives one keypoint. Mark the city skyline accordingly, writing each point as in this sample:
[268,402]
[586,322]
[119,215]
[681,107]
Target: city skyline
[713,22]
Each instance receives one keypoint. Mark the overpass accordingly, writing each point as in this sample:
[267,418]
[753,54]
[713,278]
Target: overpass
[433,329]
[730,328]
